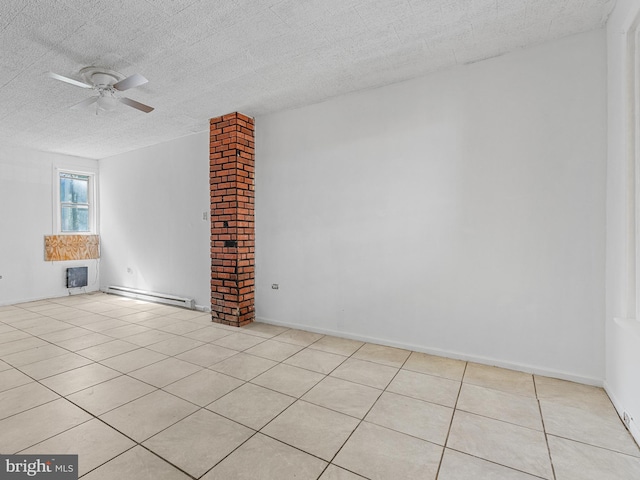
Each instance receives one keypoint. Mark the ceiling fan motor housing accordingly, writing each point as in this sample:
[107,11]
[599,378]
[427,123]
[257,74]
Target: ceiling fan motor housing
[100,77]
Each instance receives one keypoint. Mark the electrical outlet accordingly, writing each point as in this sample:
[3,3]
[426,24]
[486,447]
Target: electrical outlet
[626,418]
[275,286]
[205,215]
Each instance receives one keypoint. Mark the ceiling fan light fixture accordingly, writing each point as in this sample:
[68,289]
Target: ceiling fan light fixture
[107,102]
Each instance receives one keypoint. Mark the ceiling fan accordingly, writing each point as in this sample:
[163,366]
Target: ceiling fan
[106,83]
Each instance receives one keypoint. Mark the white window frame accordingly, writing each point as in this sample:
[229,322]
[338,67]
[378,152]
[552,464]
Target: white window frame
[91,197]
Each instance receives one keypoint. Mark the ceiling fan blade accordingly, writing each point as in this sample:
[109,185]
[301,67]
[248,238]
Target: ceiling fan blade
[85,103]
[134,104]
[134,80]
[77,83]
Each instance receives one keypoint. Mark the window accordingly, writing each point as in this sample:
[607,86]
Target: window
[76,212]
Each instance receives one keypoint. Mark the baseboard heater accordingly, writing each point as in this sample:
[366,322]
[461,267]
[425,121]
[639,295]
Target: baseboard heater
[153,297]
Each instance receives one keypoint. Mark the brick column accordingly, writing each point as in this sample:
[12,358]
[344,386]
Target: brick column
[231,177]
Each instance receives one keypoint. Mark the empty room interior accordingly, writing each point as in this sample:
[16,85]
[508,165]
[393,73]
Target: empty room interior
[336,240]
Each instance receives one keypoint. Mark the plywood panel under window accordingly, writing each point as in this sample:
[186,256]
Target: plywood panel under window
[71,247]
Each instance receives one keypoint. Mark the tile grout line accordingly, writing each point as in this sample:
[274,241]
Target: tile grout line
[499,420]
[279,414]
[255,432]
[573,440]
[300,398]
[544,428]
[453,414]
[533,475]
[361,420]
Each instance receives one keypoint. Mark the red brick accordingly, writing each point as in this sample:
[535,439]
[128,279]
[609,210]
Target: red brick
[231,167]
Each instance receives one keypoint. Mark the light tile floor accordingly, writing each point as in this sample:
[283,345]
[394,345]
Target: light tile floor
[145,391]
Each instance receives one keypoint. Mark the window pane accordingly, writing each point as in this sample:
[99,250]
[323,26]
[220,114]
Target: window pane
[75,219]
[74,188]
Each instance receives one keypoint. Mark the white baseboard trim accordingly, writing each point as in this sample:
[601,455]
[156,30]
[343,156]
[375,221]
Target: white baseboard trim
[634,430]
[598,382]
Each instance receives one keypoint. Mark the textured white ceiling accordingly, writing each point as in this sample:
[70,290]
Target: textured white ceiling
[205,58]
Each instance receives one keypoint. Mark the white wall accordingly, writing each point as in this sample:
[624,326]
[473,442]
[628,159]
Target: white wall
[152,205]
[622,324]
[462,213]
[27,212]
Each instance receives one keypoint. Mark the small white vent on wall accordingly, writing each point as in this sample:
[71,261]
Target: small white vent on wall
[153,297]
